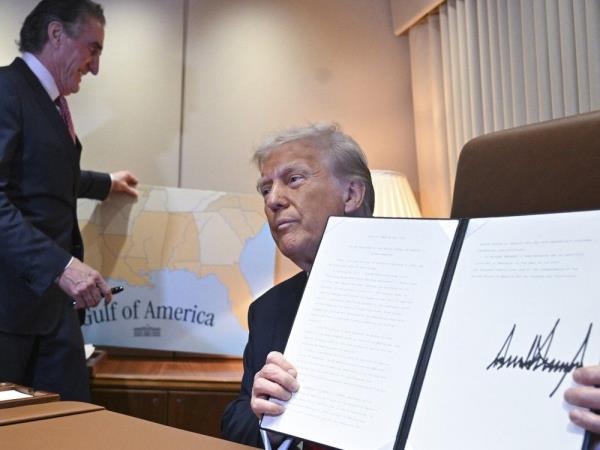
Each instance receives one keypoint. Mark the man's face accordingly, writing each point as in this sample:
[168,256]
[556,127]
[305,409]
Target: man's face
[300,193]
[78,55]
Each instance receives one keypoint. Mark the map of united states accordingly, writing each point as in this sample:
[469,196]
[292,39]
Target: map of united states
[191,262]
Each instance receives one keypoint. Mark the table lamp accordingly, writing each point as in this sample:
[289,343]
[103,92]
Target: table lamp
[393,195]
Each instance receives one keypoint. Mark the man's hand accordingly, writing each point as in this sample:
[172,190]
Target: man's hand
[276,379]
[84,285]
[586,396]
[124,181]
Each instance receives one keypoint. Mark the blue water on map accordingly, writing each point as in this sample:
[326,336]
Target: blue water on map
[154,316]
[257,261]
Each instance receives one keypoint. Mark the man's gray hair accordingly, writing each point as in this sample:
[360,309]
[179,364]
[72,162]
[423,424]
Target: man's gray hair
[71,13]
[348,161]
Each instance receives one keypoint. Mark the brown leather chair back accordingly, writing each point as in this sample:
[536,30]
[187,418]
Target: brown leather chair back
[550,166]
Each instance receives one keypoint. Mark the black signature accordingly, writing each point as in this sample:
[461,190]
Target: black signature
[537,358]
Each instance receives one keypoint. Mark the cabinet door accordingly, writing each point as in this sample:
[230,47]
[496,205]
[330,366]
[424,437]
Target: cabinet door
[198,411]
[145,404]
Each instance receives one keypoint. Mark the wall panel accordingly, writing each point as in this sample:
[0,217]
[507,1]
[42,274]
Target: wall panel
[255,67]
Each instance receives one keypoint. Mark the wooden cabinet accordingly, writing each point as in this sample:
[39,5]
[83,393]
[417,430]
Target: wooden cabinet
[207,410]
[183,392]
[143,403]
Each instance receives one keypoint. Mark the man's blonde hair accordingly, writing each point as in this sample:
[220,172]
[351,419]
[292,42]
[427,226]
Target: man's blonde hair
[347,159]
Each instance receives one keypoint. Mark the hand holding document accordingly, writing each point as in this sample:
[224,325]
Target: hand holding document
[586,395]
[423,322]
[358,332]
[275,381]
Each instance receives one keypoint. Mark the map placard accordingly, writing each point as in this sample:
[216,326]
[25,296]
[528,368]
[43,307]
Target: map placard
[190,261]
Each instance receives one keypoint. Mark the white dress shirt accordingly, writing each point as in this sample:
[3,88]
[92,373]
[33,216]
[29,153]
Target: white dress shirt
[42,74]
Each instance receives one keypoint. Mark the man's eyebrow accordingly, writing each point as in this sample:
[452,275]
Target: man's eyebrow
[260,183]
[286,169]
[293,166]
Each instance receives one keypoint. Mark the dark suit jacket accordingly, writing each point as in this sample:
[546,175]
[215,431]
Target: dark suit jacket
[270,320]
[40,181]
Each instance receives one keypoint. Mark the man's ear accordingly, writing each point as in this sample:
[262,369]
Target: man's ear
[56,32]
[354,195]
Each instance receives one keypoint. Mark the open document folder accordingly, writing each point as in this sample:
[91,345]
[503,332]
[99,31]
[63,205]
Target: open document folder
[445,334]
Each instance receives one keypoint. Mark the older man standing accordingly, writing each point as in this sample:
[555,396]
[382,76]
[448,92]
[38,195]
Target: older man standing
[41,268]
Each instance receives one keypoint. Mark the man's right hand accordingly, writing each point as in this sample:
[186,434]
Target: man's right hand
[84,284]
[587,397]
[276,379]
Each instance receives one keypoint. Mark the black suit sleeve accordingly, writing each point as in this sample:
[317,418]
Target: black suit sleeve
[34,257]
[270,319]
[239,424]
[95,185]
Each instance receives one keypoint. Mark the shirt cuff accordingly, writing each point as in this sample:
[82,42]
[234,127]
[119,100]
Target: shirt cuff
[285,445]
[69,263]
[63,271]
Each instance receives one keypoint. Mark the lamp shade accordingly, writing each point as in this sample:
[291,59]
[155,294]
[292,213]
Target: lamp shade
[393,195]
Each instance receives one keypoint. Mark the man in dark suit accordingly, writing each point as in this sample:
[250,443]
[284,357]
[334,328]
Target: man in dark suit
[42,277]
[307,175]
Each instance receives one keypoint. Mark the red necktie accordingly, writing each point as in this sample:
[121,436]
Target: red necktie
[61,102]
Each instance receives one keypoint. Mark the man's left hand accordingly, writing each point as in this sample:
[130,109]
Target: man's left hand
[124,181]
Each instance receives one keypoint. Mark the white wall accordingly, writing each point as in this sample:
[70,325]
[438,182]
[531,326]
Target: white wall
[131,115]
[257,66]
[252,66]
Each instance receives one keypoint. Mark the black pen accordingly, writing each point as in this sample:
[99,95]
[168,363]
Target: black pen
[113,290]
[117,289]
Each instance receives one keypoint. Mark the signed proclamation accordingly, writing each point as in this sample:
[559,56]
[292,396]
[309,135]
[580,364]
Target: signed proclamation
[445,334]
[520,316]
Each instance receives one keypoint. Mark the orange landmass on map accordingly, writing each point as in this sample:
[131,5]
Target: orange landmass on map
[160,239]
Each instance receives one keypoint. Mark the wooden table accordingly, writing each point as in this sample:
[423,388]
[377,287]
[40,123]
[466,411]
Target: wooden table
[190,393]
[74,425]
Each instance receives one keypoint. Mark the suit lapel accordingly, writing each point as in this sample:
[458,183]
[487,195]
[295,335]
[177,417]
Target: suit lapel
[288,307]
[49,110]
